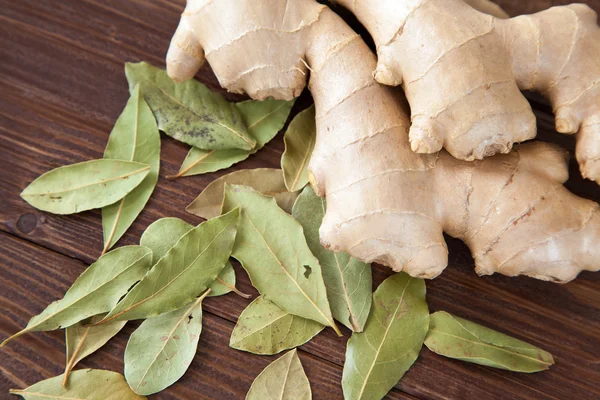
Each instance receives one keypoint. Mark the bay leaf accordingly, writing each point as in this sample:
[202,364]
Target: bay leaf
[379,356]
[83,339]
[84,384]
[264,328]
[160,351]
[96,291]
[183,273]
[84,186]
[134,137]
[268,181]
[348,280]
[458,338]
[189,111]
[263,120]
[299,140]
[271,247]
[164,233]
[283,379]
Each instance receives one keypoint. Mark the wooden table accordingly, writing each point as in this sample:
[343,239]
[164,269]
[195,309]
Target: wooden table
[62,87]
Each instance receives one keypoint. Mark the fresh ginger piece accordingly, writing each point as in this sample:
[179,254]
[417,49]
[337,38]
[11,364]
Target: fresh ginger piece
[386,203]
[462,70]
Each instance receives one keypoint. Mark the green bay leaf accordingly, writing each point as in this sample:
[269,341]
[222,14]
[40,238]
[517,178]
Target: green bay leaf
[458,338]
[83,339]
[84,186]
[164,233]
[299,140]
[283,379]
[263,120]
[96,291]
[189,111]
[134,137]
[84,384]
[264,328]
[183,273]
[271,247]
[160,351]
[268,181]
[348,280]
[379,356]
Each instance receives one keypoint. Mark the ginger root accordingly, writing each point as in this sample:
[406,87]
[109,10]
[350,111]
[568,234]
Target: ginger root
[385,202]
[462,72]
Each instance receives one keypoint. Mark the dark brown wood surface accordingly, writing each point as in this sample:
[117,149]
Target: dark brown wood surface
[62,87]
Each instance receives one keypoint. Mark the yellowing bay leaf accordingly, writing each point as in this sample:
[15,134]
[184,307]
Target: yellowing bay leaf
[84,186]
[134,137]
[96,291]
[263,120]
[271,247]
[458,338]
[379,356]
[348,280]
[264,328]
[182,274]
[160,351]
[299,140]
[83,339]
[268,181]
[283,379]
[189,111]
[84,384]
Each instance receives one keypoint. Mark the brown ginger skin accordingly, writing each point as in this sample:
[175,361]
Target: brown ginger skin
[462,72]
[386,203]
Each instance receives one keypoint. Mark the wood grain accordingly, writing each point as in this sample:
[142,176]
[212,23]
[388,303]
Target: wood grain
[63,86]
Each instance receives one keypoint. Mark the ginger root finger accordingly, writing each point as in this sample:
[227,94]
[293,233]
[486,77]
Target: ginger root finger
[387,203]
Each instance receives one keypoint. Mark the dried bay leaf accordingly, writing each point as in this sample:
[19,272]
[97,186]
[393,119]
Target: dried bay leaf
[458,338]
[183,273]
[189,111]
[348,280]
[160,351]
[264,328]
[283,379]
[378,357]
[84,186]
[134,137]
[271,247]
[263,120]
[299,140]
[83,339]
[163,233]
[268,181]
[84,384]
[96,291]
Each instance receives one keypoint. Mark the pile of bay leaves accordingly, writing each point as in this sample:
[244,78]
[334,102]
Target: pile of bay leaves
[268,220]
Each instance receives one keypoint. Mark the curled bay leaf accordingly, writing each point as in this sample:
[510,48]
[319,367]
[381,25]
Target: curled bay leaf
[283,379]
[160,351]
[464,340]
[268,181]
[183,273]
[83,339]
[96,291]
[271,247]
[84,384]
[264,328]
[348,280]
[84,186]
[189,111]
[299,140]
[263,120]
[164,233]
[379,356]
[134,137]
